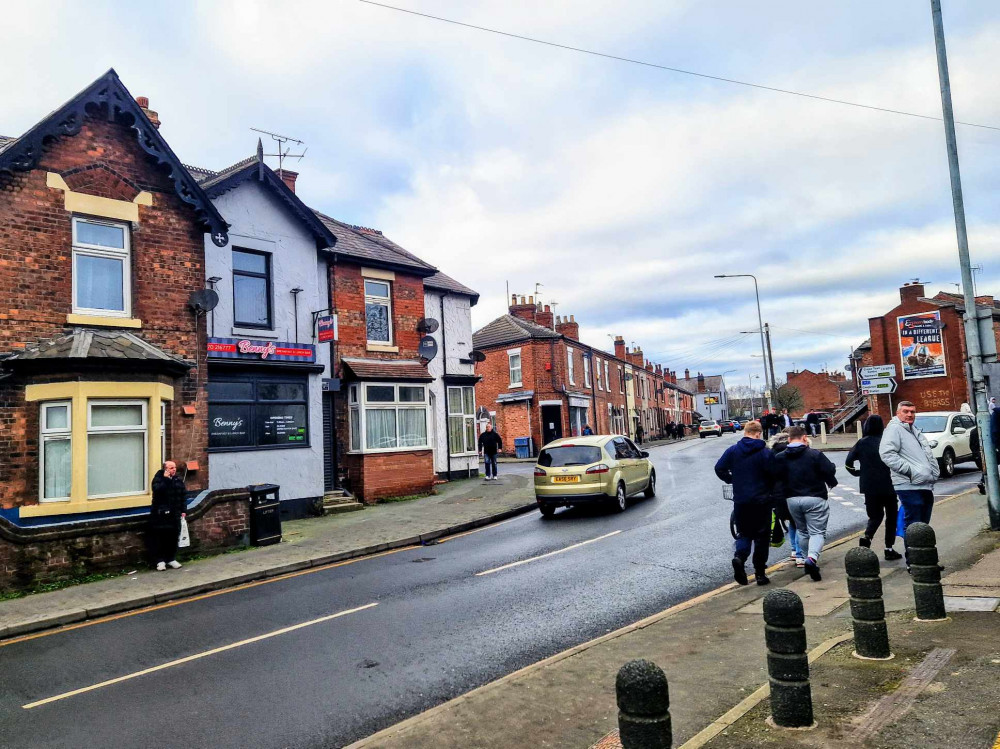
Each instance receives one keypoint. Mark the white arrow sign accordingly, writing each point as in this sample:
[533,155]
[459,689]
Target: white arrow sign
[879,371]
[879,386]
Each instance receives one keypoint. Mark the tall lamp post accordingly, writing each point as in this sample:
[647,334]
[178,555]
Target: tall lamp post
[760,326]
[750,379]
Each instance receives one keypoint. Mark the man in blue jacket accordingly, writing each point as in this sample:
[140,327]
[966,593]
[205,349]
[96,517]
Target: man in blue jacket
[749,467]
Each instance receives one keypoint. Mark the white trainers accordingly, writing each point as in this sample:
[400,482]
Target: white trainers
[160,566]
[174,564]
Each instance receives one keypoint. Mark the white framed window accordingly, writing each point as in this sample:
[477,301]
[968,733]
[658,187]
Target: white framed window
[378,311]
[597,373]
[387,417]
[163,431]
[586,372]
[101,268]
[56,452]
[621,379]
[570,365]
[514,366]
[461,420]
[607,379]
[117,459]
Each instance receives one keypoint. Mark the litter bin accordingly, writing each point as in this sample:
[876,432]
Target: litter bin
[265,516]
[522,447]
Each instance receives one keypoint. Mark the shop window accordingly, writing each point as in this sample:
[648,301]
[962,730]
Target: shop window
[257,412]
[57,451]
[116,448]
[252,289]
[101,268]
[378,311]
[461,420]
[388,417]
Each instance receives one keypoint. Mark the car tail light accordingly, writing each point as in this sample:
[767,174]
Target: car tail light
[539,472]
[599,468]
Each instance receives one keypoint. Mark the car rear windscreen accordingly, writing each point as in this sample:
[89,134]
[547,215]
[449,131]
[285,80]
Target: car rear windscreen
[571,455]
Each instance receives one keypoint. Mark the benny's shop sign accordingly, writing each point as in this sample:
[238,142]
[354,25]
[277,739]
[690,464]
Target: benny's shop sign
[247,349]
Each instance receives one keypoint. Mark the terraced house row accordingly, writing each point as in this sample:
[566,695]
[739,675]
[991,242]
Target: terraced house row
[156,310]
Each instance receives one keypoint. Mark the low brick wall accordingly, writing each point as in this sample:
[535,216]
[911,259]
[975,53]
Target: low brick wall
[40,554]
[376,476]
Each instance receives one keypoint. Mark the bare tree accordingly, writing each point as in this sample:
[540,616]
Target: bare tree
[789,397]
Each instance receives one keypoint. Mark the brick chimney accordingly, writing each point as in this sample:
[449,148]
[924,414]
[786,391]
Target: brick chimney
[701,383]
[568,327]
[911,291]
[659,371]
[143,103]
[985,301]
[544,316]
[522,309]
[620,349]
[288,177]
[687,373]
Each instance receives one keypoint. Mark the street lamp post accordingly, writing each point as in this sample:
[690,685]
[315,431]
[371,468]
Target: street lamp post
[760,325]
[750,379]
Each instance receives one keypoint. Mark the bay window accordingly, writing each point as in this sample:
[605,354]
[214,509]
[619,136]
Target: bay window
[387,417]
[101,268]
[57,451]
[117,463]
[461,420]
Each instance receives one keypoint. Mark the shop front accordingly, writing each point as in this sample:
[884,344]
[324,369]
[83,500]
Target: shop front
[265,420]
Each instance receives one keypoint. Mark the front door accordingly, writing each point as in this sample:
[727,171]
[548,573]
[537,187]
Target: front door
[551,424]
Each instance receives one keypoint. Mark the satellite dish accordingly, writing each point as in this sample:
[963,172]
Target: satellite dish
[203,300]
[477,356]
[427,325]
[428,348]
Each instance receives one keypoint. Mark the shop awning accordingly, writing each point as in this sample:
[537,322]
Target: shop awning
[96,349]
[386,370]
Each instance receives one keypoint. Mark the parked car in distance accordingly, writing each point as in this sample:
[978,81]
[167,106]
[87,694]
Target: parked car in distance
[949,435]
[727,425]
[709,426]
[596,468]
[738,425]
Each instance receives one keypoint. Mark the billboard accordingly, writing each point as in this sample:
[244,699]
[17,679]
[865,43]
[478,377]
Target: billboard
[921,347]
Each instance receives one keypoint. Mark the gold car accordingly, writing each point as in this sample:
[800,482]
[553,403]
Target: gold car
[597,468]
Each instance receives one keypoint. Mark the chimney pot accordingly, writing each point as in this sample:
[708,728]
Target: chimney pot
[547,308]
[513,298]
[531,300]
[143,103]
[288,177]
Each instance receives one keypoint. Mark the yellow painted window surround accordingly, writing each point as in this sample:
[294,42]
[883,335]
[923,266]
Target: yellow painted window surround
[79,394]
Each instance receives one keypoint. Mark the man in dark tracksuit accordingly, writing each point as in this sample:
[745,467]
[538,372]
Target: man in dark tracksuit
[749,467]
[490,444]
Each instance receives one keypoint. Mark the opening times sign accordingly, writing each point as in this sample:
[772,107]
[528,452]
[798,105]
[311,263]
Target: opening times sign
[251,350]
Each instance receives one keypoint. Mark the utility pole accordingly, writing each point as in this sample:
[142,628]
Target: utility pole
[770,364]
[972,339]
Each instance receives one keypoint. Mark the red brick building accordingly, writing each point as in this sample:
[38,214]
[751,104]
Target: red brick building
[820,391]
[540,380]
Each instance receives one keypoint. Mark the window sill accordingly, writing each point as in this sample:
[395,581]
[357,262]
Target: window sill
[101,321]
[264,334]
[383,347]
[381,451]
[90,505]
[513,386]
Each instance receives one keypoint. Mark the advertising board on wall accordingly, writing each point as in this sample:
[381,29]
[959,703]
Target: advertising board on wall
[275,351]
[921,346]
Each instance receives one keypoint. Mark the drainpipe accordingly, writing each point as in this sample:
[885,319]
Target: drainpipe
[444,372]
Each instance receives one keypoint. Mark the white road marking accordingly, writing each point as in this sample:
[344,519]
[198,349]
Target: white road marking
[196,656]
[846,503]
[543,556]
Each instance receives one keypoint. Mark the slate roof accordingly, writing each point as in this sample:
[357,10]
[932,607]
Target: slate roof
[387,369]
[713,384]
[360,243]
[443,282]
[87,343]
[5,140]
[509,329]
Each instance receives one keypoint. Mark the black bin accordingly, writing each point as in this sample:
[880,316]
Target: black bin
[265,515]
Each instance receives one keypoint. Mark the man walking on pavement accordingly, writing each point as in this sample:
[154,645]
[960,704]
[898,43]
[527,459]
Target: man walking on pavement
[786,420]
[749,467]
[905,450]
[807,474]
[490,444]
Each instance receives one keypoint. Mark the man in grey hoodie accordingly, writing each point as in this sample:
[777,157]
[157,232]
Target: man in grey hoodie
[912,464]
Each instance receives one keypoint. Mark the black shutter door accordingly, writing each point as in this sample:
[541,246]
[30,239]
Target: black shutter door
[329,445]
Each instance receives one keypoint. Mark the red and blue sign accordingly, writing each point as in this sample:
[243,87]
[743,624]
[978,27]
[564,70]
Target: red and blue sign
[244,348]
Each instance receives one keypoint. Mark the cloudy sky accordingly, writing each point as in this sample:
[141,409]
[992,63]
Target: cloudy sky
[622,189]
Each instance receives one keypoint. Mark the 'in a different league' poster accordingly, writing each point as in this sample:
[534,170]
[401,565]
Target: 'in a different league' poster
[921,347]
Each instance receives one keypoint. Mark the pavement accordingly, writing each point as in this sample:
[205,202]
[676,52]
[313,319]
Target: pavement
[712,650]
[314,542]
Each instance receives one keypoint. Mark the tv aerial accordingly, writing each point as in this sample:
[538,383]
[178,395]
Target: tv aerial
[284,149]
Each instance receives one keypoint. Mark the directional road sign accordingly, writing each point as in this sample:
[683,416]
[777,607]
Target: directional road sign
[879,371]
[878,386]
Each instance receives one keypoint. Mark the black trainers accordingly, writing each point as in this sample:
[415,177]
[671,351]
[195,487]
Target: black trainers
[812,569]
[891,555]
[762,578]
[739,574]
[865,541]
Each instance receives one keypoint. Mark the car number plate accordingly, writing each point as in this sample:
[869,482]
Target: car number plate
[565,479]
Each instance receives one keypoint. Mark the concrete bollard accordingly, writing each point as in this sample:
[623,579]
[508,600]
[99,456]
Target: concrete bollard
[787,662]
[643,706]
[822,432]
[922,557]
[871,636]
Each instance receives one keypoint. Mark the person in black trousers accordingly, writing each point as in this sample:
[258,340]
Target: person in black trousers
[490,443]
[876,485]
[169,506]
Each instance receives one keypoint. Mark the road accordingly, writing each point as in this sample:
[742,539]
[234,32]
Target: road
[324,658]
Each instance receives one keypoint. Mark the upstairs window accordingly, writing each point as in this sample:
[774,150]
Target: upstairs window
[378,312]
[252,289]
[101,268]
[586,372]
[514,365]
[597,373]
[570,366]
[607,378]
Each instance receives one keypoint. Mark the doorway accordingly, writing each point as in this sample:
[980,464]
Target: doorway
[551,424]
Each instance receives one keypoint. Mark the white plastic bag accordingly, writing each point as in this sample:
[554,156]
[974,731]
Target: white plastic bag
[184,540]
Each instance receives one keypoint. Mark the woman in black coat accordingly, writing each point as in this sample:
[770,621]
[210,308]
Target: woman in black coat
[876,485]
[169,506]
